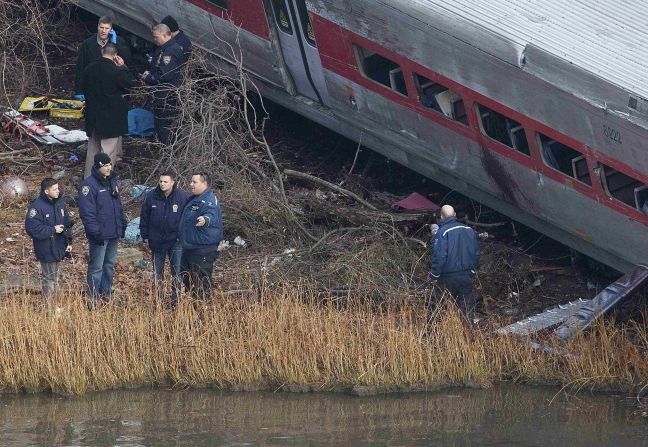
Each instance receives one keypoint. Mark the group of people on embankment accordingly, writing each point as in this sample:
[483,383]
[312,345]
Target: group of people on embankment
[183,227]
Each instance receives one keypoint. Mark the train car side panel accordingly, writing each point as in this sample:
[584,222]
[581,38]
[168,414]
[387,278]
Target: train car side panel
[208,30]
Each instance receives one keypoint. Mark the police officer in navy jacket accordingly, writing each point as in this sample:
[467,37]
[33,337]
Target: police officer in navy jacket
[159,224]
[49,225]
[178,35]
[104,221]
[201,230]
[455,257]
[166,74]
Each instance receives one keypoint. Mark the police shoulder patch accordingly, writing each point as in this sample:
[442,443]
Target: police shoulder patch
[166,60]
[85,190]
[32,212]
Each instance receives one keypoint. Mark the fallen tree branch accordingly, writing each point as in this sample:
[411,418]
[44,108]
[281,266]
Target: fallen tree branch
[334,187]
[332,232]
[482,225]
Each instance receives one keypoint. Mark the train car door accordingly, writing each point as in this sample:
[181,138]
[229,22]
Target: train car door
[299,48]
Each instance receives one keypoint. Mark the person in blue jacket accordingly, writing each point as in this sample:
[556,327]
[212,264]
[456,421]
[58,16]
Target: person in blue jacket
[104,221]
[49,224]
[159,224]
[166,74]
[201,230]
[455,258]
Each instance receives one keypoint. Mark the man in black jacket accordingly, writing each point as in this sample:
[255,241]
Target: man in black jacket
[166,74]
[159,224]
[105,81]
[90,51]
[49,225]
[104,221]
[178,35]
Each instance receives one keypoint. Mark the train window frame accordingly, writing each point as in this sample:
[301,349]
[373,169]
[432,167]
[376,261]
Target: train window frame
[511,131]
[393,78]
[575,162]
[222,4]
[637,200]
[275,10]
[447,109]
[306,23]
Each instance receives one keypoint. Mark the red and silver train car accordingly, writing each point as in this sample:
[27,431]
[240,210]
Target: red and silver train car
[536,108]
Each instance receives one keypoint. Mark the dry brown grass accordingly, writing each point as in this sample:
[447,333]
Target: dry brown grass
[285,337]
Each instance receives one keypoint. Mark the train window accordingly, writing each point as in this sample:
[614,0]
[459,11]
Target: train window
[624,188]
[503,129]
[440,98]
[281,16]
[307,26]
[380,69]
[563,158]
[220,3]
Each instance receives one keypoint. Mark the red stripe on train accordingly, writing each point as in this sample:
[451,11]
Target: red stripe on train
[248,14]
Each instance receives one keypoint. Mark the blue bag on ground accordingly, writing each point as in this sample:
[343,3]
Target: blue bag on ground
[132,235]
[140,123]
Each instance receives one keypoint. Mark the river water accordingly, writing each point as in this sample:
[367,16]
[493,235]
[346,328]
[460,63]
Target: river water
[502,416]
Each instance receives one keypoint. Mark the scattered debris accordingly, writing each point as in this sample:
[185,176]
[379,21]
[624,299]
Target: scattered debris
[17,123]
[133,235]
[13,189]
[129,255]
[578,315]
[238,240]
[139,191]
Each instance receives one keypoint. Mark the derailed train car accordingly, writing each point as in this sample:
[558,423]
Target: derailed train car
[536,108]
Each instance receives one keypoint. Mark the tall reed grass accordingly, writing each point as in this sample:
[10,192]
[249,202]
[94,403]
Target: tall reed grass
[284,337]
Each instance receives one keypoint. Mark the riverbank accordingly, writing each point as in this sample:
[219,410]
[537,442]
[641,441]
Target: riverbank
[290,338]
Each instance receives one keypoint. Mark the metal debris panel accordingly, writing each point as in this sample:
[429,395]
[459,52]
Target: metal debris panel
[606,37]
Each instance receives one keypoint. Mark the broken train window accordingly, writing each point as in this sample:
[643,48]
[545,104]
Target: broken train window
[440,98]
[563,158]
[381,69]
[624,188]
[502,129]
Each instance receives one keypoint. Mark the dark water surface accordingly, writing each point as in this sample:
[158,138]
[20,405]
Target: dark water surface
[503,416]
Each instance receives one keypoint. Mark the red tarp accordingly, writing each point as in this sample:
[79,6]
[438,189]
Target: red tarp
[415,202]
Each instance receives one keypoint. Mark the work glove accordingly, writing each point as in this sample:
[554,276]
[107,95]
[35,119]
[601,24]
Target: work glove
[112,36]
[97,239]
[79,96]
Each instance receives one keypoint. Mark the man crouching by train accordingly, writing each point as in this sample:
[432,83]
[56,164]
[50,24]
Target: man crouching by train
[49,225]
[105,223]
[201,230]
[455,257]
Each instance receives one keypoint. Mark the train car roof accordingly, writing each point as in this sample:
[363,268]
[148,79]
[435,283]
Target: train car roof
[605,37]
